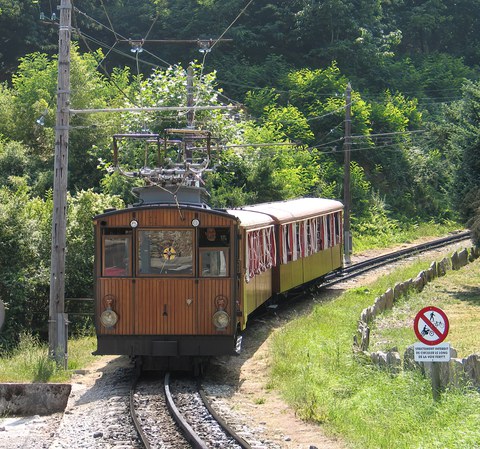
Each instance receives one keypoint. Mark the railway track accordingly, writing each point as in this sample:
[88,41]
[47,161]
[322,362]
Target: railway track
[377,262]
[177,413]
[191,420]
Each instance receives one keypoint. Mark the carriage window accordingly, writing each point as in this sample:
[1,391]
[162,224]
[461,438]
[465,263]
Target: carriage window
[209,237]
[214,262]
[116,250]
[165,252]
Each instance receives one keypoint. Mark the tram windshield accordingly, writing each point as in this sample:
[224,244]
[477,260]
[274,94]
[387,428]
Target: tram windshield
[165,252]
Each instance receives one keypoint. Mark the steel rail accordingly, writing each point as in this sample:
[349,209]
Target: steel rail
[376,262]
[136,422]
[223,424]
[189,433]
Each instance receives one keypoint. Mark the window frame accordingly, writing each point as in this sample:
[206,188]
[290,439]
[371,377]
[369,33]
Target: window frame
[128,268]
[167,273]
[201,253]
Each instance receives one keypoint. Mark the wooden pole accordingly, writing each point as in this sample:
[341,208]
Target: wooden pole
[346,179]
[436,386]
[57,337]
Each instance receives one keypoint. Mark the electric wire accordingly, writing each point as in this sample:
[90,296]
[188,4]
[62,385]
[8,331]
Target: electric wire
[151,27]
[423,100]
[109,21]
[137,60]
[230,26]
[117,35]
[215,43]
[100,64]
[75,9]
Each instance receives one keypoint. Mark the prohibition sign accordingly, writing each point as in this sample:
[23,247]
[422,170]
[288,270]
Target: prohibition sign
[431,325]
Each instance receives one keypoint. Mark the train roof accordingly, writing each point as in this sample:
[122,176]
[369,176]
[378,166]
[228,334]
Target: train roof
[250,219]
[292,210]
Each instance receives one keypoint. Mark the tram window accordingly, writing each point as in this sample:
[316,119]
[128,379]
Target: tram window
[116,260]
[209,237]
[165,252]
[214,262]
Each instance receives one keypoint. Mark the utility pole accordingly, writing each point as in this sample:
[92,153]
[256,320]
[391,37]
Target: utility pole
[57,322]
[347,240]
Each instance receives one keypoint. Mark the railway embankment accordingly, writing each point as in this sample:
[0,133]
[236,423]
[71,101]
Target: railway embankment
[459,371]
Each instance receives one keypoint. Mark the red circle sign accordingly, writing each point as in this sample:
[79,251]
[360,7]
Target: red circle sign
[431,325]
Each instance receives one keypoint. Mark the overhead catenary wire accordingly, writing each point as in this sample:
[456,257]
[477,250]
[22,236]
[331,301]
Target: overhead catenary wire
[108,18]
[421,100]
[230,26]
[137,59]
[100,65]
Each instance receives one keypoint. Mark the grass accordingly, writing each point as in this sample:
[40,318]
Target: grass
[402,235]
[29,362]
[458,295]
[316,371]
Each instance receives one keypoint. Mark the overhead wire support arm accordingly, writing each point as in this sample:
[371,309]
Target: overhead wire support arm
[205,45]
[153,109]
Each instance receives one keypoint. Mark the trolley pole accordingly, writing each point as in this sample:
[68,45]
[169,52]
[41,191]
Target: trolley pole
[347,241]
[57,322]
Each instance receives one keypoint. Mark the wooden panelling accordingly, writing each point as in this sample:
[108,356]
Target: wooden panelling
[291,275]
[208,290]
[337,256]
[317,264]
[121,291]
[165,217]
[165,306]
[263,287]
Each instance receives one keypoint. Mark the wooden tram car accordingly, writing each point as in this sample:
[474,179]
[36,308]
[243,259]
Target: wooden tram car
[175,282]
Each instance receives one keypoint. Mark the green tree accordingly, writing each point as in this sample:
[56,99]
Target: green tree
[461,136]
[25,248]
[34,96]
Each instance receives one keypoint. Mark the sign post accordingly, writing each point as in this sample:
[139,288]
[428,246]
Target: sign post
[431,327]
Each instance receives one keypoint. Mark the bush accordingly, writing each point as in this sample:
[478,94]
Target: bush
[25,248]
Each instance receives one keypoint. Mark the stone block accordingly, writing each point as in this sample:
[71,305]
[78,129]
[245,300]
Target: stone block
[471,366]
[394,361]
[379,358]
[380,303]
[457,373]
[389,299]
[462,258]
[365,315]
[397,291]
[33,399]
[455,261]
[364,334]
[471,254]
[432,271]
[418,283]
[442,267]
[409,363]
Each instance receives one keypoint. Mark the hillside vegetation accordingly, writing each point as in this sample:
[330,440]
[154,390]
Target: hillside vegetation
[286,66]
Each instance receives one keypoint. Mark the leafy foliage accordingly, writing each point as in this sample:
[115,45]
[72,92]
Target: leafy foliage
[25,236]
[290,63]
